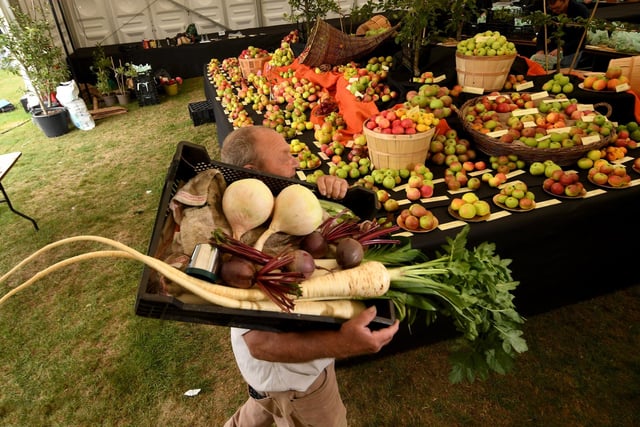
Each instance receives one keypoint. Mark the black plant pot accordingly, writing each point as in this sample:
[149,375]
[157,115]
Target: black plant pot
[54,124]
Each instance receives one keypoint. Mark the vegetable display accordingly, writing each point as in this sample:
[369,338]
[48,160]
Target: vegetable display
[470,287]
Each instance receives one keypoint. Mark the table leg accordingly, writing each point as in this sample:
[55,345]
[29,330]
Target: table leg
[6,199]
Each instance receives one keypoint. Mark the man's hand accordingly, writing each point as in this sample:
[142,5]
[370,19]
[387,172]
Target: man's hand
[358,339]
[332,187]
[353,339]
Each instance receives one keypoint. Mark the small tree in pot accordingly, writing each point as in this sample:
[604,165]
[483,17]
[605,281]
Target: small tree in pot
[33,53]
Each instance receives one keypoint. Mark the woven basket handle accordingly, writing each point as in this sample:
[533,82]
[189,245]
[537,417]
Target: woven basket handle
[605,105]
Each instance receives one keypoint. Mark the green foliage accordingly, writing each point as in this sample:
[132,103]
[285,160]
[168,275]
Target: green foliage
[472,287]
[122,73]
[101,66]
[360,14]
[308,11]
[31,50]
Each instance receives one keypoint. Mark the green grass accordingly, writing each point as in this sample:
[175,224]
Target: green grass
[11,89]
[73,351]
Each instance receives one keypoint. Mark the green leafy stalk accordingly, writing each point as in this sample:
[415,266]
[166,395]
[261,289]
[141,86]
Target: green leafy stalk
[473,288]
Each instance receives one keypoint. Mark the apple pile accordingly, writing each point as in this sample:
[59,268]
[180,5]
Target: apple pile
[306,158]
[587,161]
[288,91]
[547,167]
[357,170]
[432,98]
[488,43]
[560,83]
[469,206]
[312,178]
[400,120]
[253,52]
[417,218]
[514,80]
[610,80]
[292,37]
[449,147]
[627,135]
[506,163]
[516,196]
[274,118]
[563,183]
[282,56]
[636,164]
[368,85]
[456,177]
[609,174]
[420,183]
[494,181]
[424,77]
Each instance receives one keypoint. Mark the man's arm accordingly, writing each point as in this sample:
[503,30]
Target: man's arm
[353,338]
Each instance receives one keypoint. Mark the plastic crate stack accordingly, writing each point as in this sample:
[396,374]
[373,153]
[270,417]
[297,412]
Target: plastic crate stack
[201,112]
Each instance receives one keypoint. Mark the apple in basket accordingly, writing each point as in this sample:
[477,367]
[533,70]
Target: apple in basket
[401,120]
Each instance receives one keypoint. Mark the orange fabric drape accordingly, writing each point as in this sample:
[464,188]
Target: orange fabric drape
[535,69]
[636,109]
[353,111]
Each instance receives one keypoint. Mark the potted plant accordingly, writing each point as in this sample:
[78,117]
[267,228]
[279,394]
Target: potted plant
[101,67]
[123,74]
[32,53]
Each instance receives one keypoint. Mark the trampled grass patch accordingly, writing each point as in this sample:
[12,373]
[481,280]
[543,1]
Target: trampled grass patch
[74,353]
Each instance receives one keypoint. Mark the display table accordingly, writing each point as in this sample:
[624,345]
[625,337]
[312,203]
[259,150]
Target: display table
[563,251]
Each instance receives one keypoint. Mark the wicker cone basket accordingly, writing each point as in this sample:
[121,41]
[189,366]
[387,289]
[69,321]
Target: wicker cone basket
[328,45]
[397,151]
[563,156]
[487,72]
[252,65]
[376,22]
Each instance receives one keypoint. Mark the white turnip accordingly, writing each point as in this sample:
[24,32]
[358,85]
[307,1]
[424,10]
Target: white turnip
[297,212]
[247,203]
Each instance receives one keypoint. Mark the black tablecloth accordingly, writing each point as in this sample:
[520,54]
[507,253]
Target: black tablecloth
[561,254]
[185,61]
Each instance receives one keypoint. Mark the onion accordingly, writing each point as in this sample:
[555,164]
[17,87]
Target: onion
[237,272]
[302,263]
[297,212]
[349,253]
[315,244]
[247,203]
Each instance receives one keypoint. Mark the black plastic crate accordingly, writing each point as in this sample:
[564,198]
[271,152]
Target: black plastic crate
[188,161]
[201,112]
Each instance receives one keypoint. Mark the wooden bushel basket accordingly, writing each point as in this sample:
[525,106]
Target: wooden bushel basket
[397,151]
[487,72]
[252,65]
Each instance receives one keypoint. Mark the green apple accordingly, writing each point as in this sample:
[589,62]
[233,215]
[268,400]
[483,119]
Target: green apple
[550,168]
[537,168]
[482,208]
[511,202]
